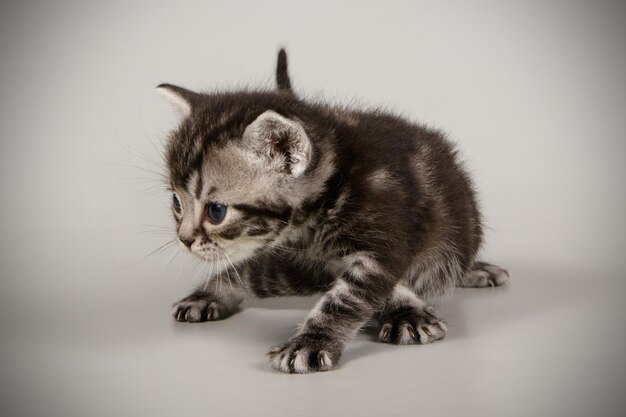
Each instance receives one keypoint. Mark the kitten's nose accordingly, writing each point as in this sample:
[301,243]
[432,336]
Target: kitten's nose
[187,241]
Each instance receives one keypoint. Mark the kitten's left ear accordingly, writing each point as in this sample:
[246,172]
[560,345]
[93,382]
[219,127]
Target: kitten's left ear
[278,137]
[183,100]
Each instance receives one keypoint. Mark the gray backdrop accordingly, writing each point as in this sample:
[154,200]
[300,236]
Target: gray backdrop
[534,93]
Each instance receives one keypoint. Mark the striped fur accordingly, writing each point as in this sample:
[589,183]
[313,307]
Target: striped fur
[374,212]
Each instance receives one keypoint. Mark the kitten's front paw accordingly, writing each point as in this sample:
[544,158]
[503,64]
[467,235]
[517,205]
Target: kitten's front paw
[305,353]
[411,328]
[194,309]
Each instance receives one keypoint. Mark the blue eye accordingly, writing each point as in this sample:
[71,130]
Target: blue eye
[217,212]
[176,203]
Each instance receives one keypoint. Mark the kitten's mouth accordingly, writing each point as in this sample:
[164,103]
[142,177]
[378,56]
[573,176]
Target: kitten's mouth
[211,255]
[232,253]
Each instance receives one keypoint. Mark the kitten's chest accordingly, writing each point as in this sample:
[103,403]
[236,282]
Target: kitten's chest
[312,243]
[334,266]
[330,262]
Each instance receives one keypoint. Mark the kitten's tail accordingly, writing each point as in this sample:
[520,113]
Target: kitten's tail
[282,74]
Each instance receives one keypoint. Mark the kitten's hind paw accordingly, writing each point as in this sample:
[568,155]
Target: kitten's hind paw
[304,354]
[411,326]
[485,275]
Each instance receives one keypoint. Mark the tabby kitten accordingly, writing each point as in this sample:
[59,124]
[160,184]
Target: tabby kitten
[291,197]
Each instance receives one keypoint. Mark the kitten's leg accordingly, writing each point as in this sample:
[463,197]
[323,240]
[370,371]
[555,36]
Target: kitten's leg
[407,320]
[483,275]
[265,276]
[209,302]
[355,296]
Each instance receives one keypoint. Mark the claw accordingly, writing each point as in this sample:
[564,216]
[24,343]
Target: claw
[422,327]
[385,331]
[321,360]
[324,361]
[411,332]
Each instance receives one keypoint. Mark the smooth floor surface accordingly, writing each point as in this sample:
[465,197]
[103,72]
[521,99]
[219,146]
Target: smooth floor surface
[549,344]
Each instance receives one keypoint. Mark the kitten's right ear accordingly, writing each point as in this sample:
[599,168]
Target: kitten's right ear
[281,140]
[183,100]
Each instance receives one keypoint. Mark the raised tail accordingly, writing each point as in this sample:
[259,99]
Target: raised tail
[282,73]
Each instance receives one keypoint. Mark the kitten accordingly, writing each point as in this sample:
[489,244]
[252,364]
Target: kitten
[285,196]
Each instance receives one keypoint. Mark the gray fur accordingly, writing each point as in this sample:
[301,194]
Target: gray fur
[374,212]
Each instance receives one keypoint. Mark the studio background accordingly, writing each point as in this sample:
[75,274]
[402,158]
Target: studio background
[534,93]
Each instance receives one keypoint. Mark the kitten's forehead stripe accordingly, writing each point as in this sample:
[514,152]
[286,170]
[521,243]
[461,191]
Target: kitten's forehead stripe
[198,188]
[192,180]
[208,192]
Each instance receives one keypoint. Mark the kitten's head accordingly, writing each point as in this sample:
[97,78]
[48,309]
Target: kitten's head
[238,165]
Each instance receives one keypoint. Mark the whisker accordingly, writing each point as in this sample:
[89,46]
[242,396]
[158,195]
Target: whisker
[227,274]
[161,248]
[197,269]
[199,272]
[138,154]
[205,272]
[288,248]
[148,170]
[172,258]
[180,267]
[219,282]
[163,226]
[143,128]
[158,232]
[234,269]
[208,278]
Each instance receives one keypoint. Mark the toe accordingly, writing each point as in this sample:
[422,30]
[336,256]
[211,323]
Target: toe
[385,333]
[498,276]
[300,355]
[429,333]
[180,313]
[213,312]
[324,361]
[406,334]
[300,362]
[276,356]
[194,314]
[196,311]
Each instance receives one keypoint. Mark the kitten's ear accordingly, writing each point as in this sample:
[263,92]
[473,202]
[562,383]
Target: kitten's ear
[182,99]
[282,139]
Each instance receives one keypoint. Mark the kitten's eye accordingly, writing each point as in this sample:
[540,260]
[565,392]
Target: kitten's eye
[176,203]
[217,212]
